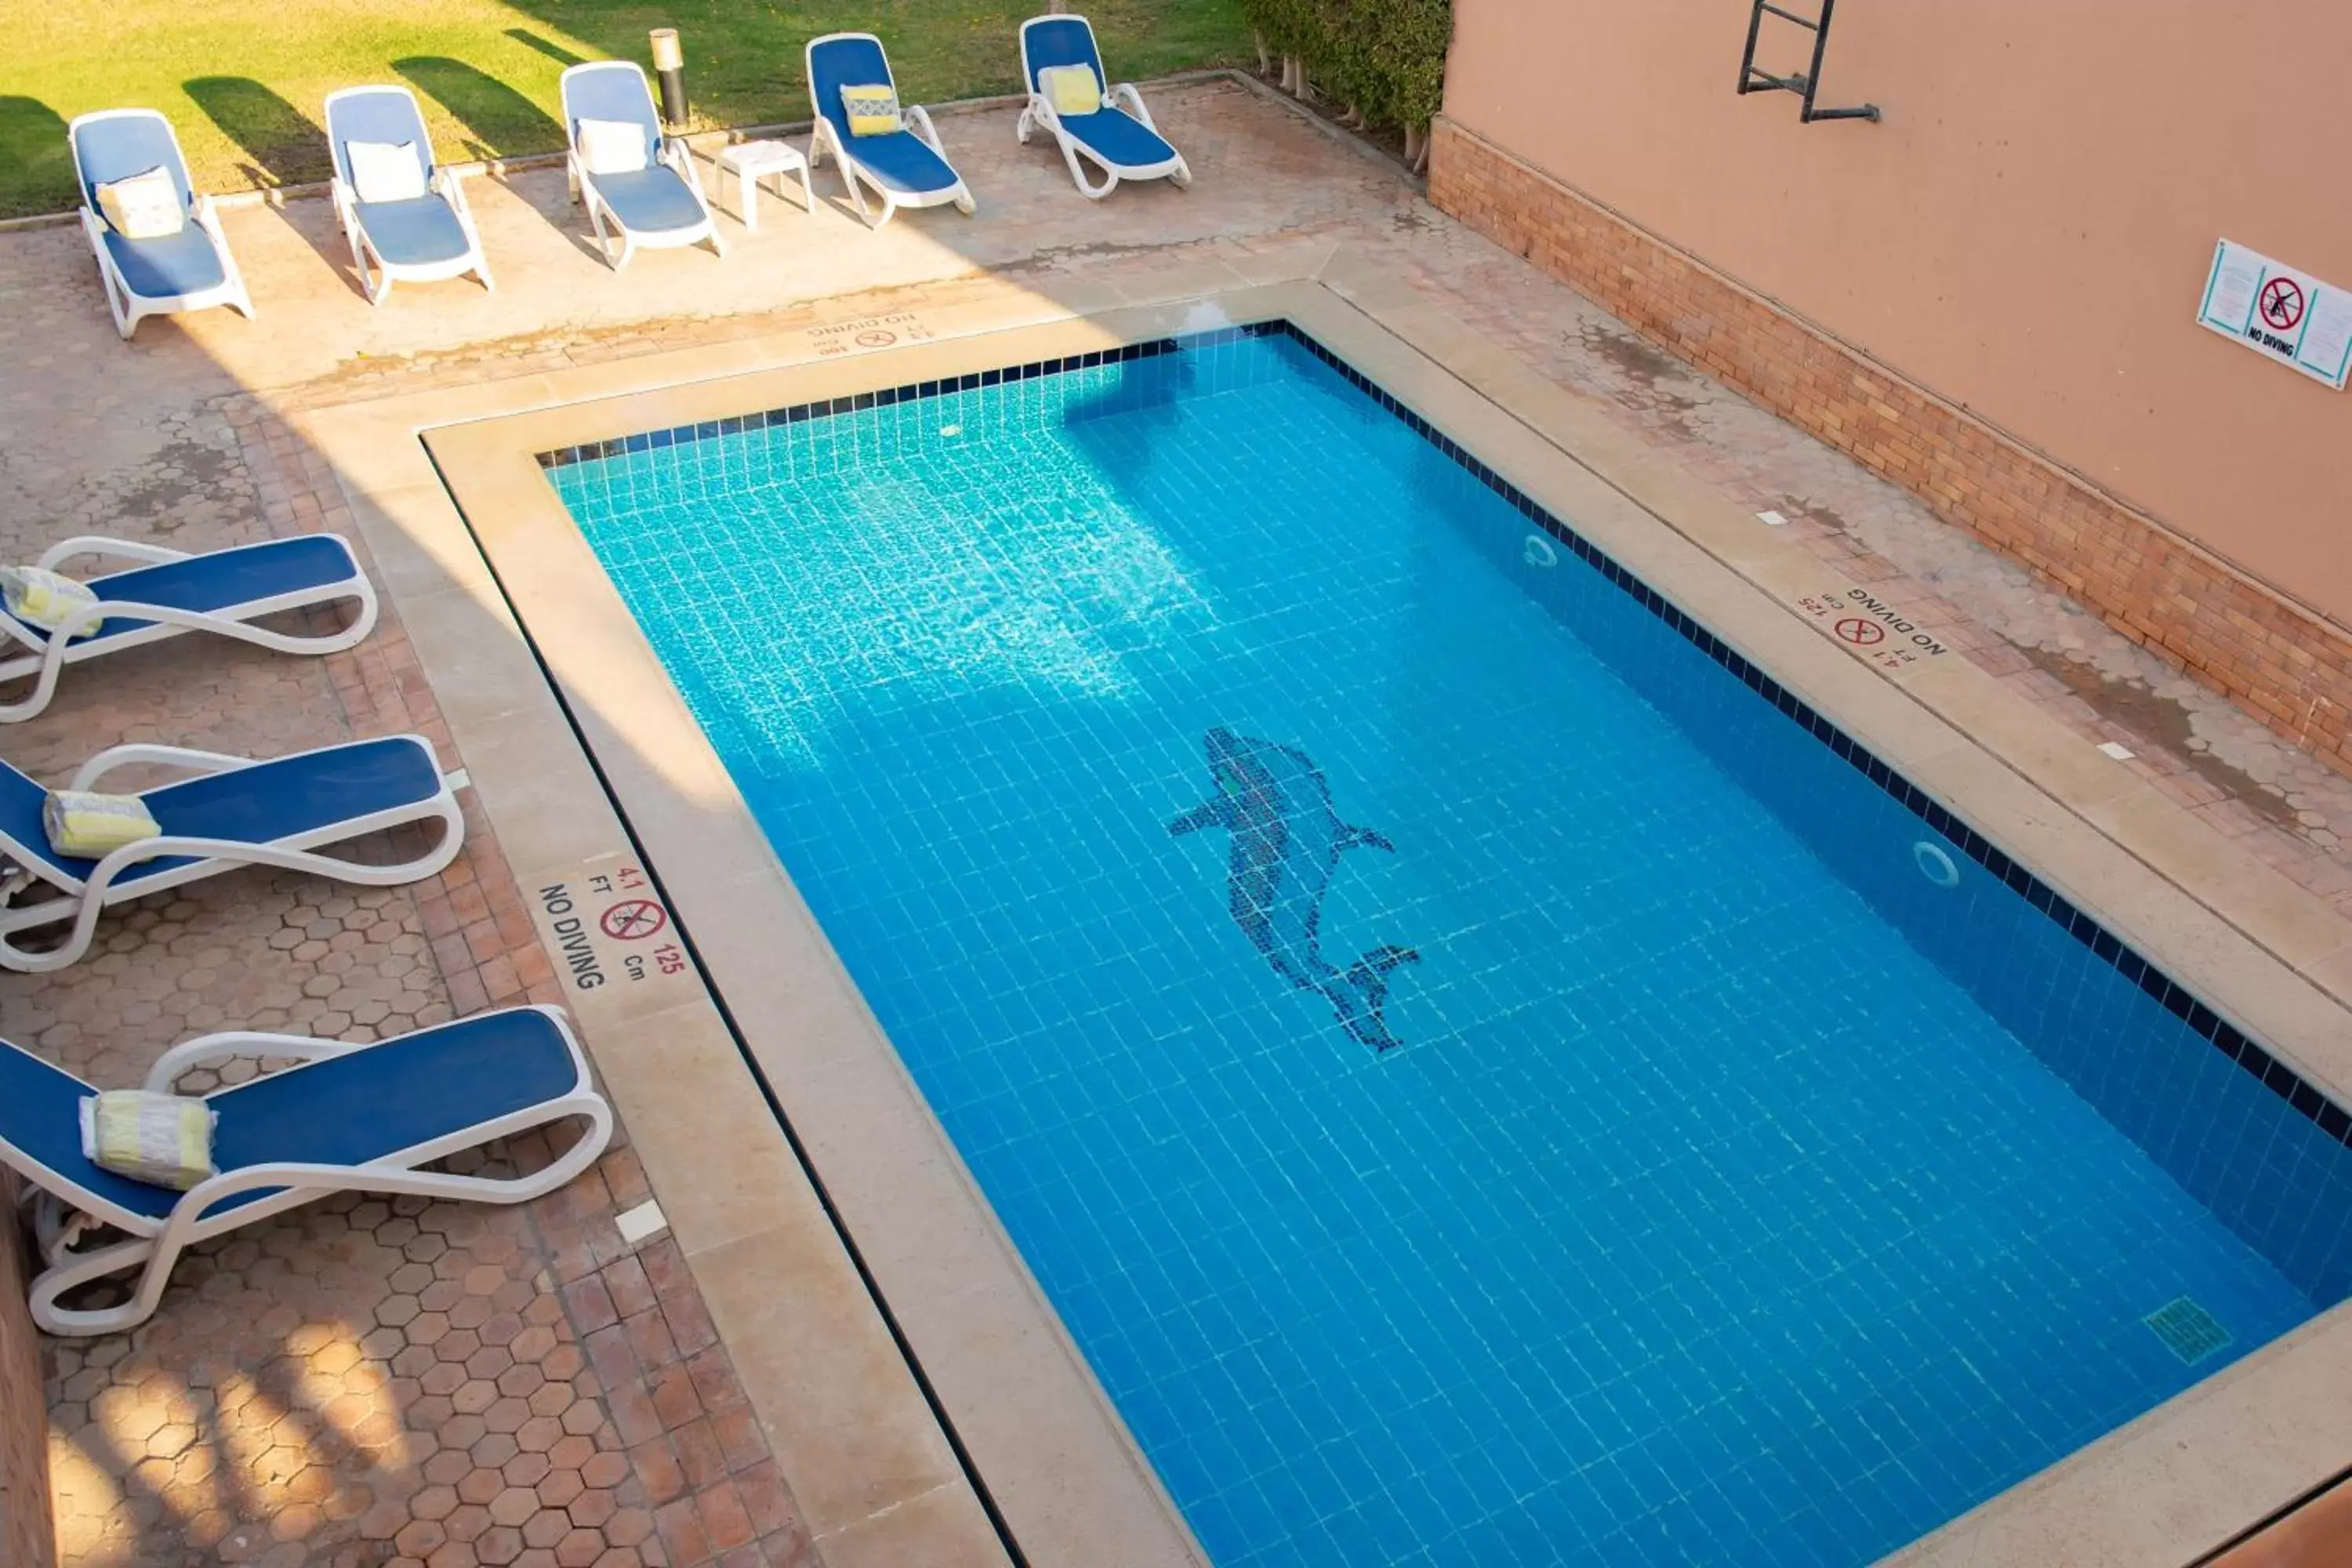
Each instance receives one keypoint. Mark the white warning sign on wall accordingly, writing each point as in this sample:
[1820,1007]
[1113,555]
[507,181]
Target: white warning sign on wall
[2275,310]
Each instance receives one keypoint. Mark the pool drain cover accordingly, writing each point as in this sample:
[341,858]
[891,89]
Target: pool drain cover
[2187,1330]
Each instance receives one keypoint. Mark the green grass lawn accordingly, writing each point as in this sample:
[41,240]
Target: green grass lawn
[241,80]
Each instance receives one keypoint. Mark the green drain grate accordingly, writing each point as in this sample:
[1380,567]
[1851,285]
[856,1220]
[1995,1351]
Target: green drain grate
[2187,1330]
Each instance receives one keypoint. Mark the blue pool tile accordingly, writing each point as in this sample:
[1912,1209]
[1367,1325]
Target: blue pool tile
[1731,1192]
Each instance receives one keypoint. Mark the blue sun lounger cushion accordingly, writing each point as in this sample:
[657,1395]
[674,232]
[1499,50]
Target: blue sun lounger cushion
[639,186]
[1107,129]
[168,593]
[285,811]
[407,218]
[350,1118]
[158,253]
[885,166]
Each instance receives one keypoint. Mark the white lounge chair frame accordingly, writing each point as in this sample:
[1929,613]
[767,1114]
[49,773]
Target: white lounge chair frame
[46,656]
[127,308]
[1040,114]
[673,153]
[82,902]
[153,1246]
[446,184]
[823,139]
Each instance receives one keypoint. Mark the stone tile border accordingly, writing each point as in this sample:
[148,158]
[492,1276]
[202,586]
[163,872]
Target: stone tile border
[2261,951]
[2283,662]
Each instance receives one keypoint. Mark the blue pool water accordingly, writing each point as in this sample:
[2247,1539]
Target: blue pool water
[1709,1185]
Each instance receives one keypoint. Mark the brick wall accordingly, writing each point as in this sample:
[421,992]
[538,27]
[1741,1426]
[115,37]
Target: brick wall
[2281,661]
[24,1529]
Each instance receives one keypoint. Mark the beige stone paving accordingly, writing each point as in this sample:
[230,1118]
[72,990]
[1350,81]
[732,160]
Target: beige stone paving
[367,1383]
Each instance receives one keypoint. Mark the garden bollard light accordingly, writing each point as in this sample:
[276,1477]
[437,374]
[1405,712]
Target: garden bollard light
[669,65]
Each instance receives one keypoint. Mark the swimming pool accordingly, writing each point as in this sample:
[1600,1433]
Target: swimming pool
[1712,1183]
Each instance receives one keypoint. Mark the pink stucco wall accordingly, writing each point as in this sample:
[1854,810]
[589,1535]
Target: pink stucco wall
[2026,234]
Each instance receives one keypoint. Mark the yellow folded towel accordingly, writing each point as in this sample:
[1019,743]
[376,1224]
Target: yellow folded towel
[90,825]
[43,598]
[159,1138]
[872,111]
[1071,89]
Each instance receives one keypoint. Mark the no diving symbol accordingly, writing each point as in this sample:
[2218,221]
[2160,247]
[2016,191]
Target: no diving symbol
[876,339]
[2281,302]
[632,920]
[1860,633]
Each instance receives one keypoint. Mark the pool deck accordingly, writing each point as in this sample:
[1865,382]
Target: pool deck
[373,1383]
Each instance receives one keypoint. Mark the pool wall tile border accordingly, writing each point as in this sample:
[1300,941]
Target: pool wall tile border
[911,391]
[2274,1074]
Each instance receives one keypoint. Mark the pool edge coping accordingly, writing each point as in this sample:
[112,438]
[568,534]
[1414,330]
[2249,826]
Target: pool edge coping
[2005,767]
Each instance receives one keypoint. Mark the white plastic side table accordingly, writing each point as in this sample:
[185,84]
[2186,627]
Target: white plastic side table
[754,161]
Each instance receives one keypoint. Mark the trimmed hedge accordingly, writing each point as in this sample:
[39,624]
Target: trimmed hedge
[1384,59]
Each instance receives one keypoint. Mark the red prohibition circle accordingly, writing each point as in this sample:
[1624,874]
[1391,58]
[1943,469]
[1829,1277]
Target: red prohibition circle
[2281,302]
[632,920]
[1862,633]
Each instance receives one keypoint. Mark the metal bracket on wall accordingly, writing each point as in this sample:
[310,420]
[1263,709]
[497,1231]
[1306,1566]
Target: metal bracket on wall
[1754,80]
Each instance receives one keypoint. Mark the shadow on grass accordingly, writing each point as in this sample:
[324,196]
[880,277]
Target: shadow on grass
[282,146]
[548,46]
[743,60]
[35,169]
[497,120]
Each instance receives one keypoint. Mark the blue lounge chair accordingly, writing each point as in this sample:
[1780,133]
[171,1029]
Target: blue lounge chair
[657,205]
[904,168]
[190,271]
[416,239]
[1119,138]
[349,1118]
[233,812]
[225,591]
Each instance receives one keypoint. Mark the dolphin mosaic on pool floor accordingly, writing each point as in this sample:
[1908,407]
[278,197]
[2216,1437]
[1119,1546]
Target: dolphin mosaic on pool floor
[1285,842]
